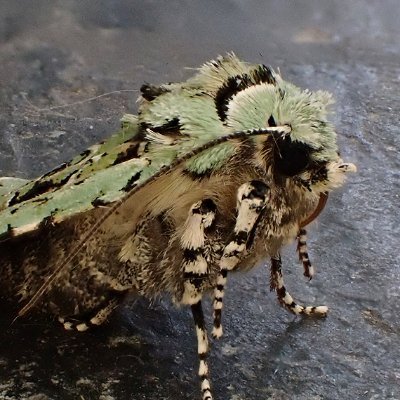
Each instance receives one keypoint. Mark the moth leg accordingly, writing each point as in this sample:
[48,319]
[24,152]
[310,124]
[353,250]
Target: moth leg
[195,267]
[303,253]
[202,350]
[93,318]
[285,298]
[251,200]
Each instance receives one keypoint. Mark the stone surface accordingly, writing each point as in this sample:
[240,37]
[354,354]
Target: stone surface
[57,53]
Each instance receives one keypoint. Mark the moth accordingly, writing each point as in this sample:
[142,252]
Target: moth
[214,174]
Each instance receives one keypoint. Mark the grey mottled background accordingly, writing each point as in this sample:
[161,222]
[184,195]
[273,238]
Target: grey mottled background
[54,53]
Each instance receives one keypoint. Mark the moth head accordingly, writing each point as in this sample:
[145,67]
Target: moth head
[310,167]
[307,152]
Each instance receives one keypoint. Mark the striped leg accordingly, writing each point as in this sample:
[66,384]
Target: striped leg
[202,350]
[94,318]
[195,269]
[285,298]
[303,253]
[251,200]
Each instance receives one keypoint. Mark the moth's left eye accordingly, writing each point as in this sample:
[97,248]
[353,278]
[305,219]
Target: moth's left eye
[291,157]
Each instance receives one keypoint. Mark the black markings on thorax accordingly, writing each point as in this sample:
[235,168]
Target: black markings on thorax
[235,84]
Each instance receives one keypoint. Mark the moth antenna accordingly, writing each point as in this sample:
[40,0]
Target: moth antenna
[39,110]
[277,146]
[284,129]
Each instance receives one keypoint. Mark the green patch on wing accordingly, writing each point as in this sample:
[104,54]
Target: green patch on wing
[96,158]
[102,174]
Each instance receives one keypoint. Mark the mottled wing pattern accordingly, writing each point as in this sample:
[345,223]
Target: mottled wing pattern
[97,176]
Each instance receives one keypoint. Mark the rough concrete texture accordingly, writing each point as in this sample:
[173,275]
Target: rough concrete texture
[58,53]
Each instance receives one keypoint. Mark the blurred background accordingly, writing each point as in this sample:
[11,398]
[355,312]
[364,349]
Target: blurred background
[57,55]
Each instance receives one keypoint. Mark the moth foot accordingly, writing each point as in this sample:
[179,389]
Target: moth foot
[313,311]
[320,311]
[284,297]
[94,319]
[71,324]
[217,332]
[309,272]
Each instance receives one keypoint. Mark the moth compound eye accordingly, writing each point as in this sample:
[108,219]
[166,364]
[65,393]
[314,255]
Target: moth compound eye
[290,157]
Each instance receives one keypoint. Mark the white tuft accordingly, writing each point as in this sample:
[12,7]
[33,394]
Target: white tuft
[208,219]
[193,235]
[159,138]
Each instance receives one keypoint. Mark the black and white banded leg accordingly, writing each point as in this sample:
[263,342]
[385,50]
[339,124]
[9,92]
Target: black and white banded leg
[195,268]
[201,216]
[285,298]
[94,318]
[303,253]
[251,200]
[202,350]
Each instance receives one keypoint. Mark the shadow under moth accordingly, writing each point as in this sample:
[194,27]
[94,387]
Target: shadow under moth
[214,174]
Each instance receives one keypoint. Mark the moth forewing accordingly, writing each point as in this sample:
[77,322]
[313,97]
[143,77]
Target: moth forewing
[214,175]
